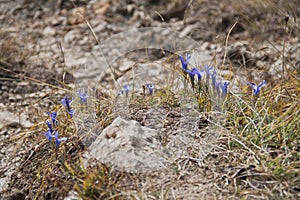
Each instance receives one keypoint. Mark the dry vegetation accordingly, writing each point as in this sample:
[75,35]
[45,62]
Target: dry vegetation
[256,156]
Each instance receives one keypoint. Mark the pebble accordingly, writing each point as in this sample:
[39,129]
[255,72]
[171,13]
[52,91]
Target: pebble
[83,41]
[70,36]
[23,83]
[19,175]
[76,15]
[18,97]
[42,94]
[49,31]
[100,7]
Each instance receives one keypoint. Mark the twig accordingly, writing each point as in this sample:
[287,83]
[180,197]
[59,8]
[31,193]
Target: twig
[226,44]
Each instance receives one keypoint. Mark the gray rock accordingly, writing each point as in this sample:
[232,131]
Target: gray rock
[128,146]
[49,31]
[8,118]
[3,182]
[72,195]
[146,73]
[119,45]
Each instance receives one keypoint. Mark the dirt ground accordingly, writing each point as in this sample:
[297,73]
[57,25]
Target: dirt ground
[42,42]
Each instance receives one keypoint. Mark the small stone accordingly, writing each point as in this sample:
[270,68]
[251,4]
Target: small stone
[18,97]
[32,95]
[70,36]
[84,40]
[101,7]
[76,16]
[260,64]
[49,31]
[42,94]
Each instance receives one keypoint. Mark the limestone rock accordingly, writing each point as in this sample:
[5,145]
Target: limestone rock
[128,146]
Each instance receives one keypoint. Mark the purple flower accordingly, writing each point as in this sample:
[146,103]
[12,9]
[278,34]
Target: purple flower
[125,90]
[207,71]
[191,73]
[58,140]
[213,77]
[49,126]
[49,132]
[256,88]
[217,86]
[66,102]
[53,116]
[48,136]
[150,88]
[184,62]
[83,96]
[224,88]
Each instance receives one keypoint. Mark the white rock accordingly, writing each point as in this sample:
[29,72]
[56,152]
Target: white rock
[129,146]
[49,31]
[72,196]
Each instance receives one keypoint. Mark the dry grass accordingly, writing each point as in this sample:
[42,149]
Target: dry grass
[256,156]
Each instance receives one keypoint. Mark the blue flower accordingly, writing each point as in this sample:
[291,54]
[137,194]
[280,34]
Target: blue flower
[184,62]
[125,90]
[213,77]
[49,132]
[207,71]
[150,88]
[192,73]
[66,102]
[217,86]
[224,88]
[83,96]
[53,116]
[256,88]
[58,140]
[49,126]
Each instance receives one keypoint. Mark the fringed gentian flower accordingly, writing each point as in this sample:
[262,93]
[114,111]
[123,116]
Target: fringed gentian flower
[53,116]
[256,88]
[224,88]
[217,86]
[66,102]
[192,73]
[150,88]
[49,132]
[49,126]
[184,62]
[125,90]
[58,140]
[83,96]
[207,71]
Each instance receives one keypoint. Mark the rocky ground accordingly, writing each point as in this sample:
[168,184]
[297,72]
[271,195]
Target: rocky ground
[51,48]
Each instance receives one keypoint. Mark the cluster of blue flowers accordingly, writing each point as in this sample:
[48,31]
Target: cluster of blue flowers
[51,133]
[66,102]
[221,87]
[126,88]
